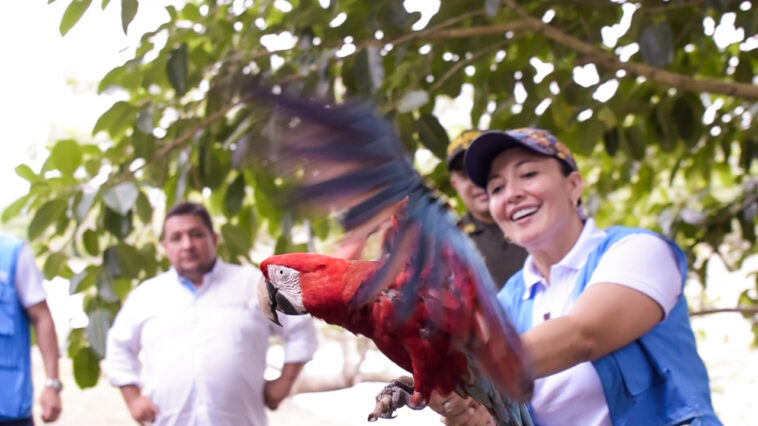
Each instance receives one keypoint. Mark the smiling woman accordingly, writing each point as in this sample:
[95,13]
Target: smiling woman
[599,311]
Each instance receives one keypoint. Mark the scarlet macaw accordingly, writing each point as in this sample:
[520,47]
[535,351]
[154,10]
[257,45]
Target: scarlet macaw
[428,303]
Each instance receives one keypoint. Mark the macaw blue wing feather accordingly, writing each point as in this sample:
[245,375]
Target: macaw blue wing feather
[349,158]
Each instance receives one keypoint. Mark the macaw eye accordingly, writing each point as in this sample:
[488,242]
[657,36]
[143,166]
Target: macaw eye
[281,272]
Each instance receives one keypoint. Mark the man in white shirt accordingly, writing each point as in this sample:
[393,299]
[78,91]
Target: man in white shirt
[189,346]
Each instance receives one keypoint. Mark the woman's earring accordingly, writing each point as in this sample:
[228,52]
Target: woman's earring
[580,211]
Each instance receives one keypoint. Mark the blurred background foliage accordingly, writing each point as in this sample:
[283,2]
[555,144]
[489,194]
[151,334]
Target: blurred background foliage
[658,109]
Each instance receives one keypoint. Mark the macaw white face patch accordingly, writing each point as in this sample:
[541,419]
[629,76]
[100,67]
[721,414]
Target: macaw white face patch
[287,282]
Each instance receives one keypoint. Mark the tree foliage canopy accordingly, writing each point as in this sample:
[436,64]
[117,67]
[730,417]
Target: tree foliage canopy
[660,119]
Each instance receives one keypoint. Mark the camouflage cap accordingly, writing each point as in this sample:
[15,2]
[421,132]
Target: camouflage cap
[458,145]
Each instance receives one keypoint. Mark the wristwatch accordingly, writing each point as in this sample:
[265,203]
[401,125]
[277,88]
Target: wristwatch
[54,383]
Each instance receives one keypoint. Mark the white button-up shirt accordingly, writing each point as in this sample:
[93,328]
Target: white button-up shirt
[200,354]
[643,262]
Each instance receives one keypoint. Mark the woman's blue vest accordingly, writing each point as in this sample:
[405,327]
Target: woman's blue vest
[658,379]
[15,364]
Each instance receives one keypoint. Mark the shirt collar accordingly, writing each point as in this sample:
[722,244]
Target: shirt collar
[207,278]
[574,259]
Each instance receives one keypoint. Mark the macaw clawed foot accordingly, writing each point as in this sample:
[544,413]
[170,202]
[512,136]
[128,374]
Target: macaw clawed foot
[395,395]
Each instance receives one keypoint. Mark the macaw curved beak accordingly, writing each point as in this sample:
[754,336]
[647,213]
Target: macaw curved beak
[271,300]
[267,300]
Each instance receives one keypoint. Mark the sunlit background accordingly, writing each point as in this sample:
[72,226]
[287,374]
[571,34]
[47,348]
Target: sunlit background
[48,92]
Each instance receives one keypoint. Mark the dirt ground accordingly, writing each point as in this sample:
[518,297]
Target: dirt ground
[102,405]
[724,346]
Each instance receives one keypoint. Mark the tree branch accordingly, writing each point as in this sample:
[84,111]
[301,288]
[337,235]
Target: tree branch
[739,309]
[469,32]
[657,75]
[185,137]
[460,64]
[671,6]
[732,210]
[436,28]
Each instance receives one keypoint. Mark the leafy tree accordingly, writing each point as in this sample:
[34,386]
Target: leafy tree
[663,132]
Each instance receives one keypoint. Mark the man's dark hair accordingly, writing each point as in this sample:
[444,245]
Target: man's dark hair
[188,208]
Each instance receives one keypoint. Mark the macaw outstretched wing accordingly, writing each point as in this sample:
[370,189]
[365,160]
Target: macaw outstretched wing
[348,158]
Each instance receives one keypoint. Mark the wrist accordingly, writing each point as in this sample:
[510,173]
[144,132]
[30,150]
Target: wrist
[54,384]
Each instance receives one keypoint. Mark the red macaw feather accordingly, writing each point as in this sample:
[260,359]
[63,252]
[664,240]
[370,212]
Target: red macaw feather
[429,302]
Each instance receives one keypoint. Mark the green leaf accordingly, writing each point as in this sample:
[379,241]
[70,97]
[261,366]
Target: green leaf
[86,368]
[369,70]
[73,13]
[128,10]
[748,153]
[235,193]
[15,208]
[191,12]
[668,134]
[607,117]
[214,166]
[121,197]
[122,287]
[53,265]
[235,239]
[105,288]
[145,118]
[432,135]
[635,141]
[83,280]
[144,209]
[46,216]
[747,223]
[84,205]
[66,156]
[176,69]
[91,243]
[611,141]
[111,263]
[117,119]
[590,131]
[26,173]
[744,71]
[104,4]
[149,254]
[119,226]
[404,124]
[76,341]
[127,76]
[100,321]
[128,260]
[687,114]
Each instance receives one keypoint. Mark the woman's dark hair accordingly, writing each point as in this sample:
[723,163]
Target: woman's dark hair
[565,171]
[188,208]
[565,168]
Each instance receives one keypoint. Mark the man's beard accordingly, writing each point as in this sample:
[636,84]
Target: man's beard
[198,270]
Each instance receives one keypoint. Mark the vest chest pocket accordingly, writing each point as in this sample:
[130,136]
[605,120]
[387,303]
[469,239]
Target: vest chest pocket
[636,369]
[8,343]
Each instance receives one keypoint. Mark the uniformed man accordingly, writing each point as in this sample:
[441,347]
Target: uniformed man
[502,258]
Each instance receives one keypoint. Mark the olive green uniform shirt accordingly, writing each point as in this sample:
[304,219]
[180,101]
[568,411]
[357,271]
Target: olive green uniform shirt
[502,258]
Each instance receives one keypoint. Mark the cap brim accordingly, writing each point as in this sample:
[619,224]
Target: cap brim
[482,151]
